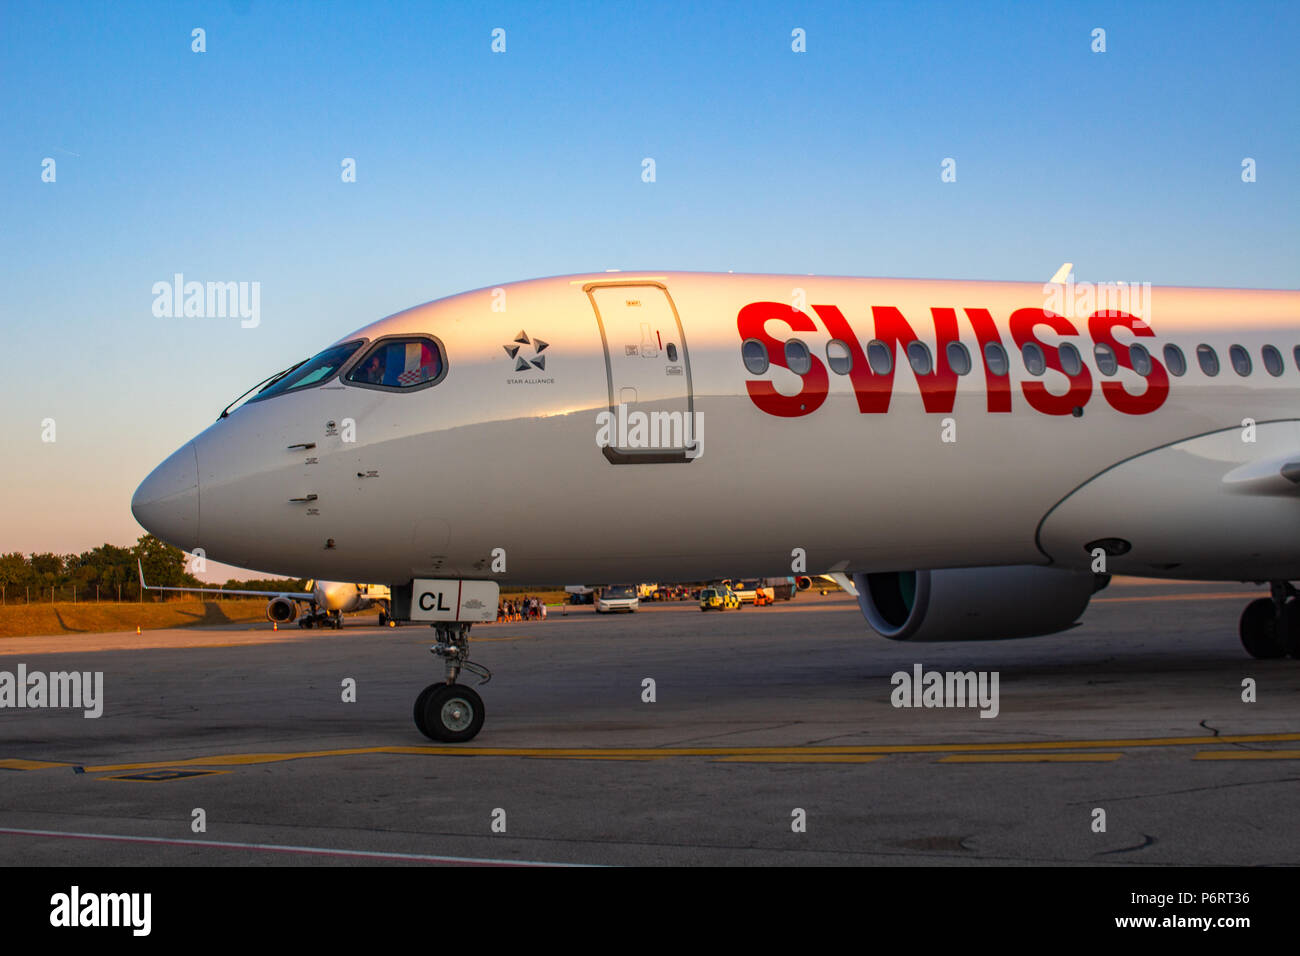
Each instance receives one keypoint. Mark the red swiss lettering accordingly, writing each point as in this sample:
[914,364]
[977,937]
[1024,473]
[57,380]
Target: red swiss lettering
[986,333]
[752,324]
[1023,322]
[1100,327]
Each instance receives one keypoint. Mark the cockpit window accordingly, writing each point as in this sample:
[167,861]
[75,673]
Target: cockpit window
[400,363]
[312,372]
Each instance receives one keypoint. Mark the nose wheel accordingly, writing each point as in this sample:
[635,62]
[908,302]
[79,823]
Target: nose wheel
[449,712]
[1270,627]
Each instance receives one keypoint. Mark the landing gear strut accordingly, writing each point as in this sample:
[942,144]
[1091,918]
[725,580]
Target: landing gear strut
[1270,627]
[450,712]
[332,619]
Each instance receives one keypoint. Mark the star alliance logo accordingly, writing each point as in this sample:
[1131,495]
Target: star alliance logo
[522,364]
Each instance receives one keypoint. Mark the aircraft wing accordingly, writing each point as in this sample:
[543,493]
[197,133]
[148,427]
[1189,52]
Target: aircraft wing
[296,595]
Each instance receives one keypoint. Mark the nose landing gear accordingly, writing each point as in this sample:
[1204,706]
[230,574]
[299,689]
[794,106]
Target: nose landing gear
[1270,627]
[450,712]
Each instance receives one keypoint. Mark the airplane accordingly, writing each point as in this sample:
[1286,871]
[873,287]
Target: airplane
[327,601]
[804,582]
[976,458]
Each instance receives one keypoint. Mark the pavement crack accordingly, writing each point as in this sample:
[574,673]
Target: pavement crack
[688,741]
[1171,793]
[1147,840]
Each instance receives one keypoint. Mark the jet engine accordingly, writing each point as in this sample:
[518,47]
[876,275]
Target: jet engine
[803,582]
[974,604]
[282,610]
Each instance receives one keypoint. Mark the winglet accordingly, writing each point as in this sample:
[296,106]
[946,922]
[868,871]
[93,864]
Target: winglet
[1062,274]
[140,568]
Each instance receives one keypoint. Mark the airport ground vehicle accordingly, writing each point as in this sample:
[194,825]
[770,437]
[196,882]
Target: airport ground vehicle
[754,592]
[719,598]
[580,594]
[783,589]
[1095,438]
[617,597]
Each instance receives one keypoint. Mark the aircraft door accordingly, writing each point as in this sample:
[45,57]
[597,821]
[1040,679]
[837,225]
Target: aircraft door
[652,408]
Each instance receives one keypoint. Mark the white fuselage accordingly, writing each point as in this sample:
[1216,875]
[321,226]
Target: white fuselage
[497,472]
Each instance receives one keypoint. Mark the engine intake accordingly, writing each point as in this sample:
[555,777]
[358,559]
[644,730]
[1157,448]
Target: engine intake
[973,604]
[282,610]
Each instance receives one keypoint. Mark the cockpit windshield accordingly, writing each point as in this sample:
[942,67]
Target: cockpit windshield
[312,372]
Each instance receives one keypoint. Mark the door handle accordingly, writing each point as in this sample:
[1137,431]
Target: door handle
[303,445]
[308,498]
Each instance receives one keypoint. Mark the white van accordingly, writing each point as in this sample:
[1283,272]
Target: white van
[617,597]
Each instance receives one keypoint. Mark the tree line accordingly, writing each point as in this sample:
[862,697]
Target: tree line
[112,570]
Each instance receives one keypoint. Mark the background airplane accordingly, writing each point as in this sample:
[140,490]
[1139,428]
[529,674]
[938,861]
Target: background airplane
[327,601]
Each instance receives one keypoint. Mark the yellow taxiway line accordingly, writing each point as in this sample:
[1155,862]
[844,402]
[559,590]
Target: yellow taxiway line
[766,754]
[1248,755]
[1031,758]
[16,764]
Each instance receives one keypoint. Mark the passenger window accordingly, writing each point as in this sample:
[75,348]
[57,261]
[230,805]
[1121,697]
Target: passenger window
[400,363]
[995,359]
[797,357]
[838,357]
[1032,355]
[1296,354]
[1071,361]
[672,352]
[880,357]
[1174,360]
[1140,359]
[1273,360]
[958,358]
[754,356]
[918,354]
[1240,360]
[1208,359]
[1106,363]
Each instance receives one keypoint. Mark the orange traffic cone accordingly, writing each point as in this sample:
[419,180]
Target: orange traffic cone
[137,628]
[275,625]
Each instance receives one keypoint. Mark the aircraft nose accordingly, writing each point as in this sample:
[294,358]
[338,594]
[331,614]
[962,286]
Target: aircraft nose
[167,502]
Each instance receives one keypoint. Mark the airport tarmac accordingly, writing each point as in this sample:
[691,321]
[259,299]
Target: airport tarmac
[758,714]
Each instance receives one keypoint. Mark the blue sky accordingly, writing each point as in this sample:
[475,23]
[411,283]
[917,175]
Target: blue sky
[475,168]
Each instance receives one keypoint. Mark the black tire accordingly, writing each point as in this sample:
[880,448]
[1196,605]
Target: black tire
[1259,630]
[383,619]
[452,713]
[1288,633]
[419,707]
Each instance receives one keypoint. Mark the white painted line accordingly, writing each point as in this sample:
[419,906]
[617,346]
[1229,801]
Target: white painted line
[277,848]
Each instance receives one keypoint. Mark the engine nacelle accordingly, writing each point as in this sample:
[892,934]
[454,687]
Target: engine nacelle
[974,604]
[282,610]
[803,582]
